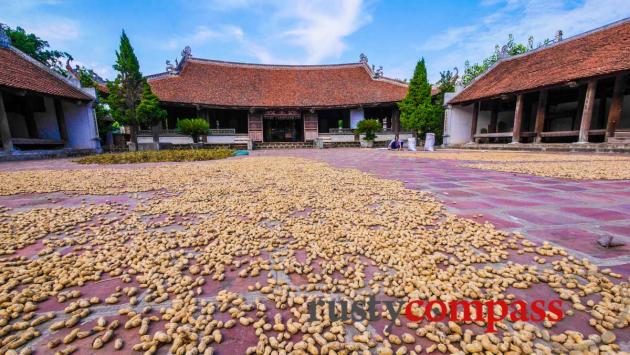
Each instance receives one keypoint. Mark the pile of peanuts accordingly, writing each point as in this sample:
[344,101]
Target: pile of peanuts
[581,170]
[559,165]
[293,230]
[514,156]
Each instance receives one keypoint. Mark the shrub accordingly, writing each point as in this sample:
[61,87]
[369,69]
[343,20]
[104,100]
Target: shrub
[193,127]
[369,128]
[154,156]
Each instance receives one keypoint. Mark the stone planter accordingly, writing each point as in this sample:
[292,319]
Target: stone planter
[366,143]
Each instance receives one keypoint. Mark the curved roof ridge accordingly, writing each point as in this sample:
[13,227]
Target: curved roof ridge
[564,60]
[566,40]
[25,79]
[272,66]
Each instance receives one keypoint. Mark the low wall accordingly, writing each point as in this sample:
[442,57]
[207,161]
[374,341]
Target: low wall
[380,137]
[166,139]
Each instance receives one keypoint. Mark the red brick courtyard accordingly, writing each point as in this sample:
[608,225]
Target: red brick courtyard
[571,214]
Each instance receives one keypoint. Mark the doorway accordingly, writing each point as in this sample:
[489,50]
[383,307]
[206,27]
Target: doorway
[280,129]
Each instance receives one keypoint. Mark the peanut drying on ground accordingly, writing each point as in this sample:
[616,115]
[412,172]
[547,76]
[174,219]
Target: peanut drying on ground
[293,230]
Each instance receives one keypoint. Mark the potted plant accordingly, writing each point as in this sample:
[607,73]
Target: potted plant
[340,124]
[193,127]
[369,129]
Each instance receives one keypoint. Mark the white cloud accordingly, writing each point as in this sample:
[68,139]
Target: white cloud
[29,15]
[311,30]
[54,29]
[204,34]
[320,27]
[522,18]
[104,71]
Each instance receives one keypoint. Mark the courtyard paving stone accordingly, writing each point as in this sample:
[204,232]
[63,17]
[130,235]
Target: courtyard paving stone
[566,213]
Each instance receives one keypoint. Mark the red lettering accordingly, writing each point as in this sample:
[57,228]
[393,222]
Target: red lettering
[491,315]
[466,305]
[429,314]
[520,311]
[538,311]
[557,311]
[409,312]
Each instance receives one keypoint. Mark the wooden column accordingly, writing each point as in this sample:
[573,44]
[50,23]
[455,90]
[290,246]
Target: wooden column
[255,127]
[473,126]
[5,131]
[541,111]
[31,125]
[61,121]
[614,115]
[518,118]
[494,115]
[587,112]
[310,126]
[396,122]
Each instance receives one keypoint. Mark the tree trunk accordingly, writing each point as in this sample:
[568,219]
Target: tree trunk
[155,130]
[134,135]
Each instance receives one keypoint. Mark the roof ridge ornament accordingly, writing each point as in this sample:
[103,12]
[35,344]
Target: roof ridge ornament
[5,40]
[170,68]
[186,53]
[363,58]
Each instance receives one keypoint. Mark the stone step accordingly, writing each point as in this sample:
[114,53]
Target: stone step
[616,139]
[622,134]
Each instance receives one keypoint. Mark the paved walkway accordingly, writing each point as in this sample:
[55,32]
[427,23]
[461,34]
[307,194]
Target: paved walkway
[570,213]
[573,214]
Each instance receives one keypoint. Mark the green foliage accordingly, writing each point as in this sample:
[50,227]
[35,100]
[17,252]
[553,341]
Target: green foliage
[149,110]
[37,48]
[368,127]
[125,91]
[417,112]
[445,84]
[193,126]
[471,71]
[340,123]
[153,156]
[87,80]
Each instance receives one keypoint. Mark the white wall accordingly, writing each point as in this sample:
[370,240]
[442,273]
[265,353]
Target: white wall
[47,126]
[167,139]
[356,115]
[221,139]
[81,125]
[388,137]
[457,124]
[483,120]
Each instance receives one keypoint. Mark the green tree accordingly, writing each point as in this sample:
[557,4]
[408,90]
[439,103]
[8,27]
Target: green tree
[125,91]
[37,48]
[149,111]
[193,127]
[471,71]
[368,127]
[417,112]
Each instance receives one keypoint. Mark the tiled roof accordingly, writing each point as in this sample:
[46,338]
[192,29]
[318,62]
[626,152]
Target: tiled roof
[229,84]
[18,71]
[599,52]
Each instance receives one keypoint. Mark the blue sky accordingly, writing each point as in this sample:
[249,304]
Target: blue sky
[392,33]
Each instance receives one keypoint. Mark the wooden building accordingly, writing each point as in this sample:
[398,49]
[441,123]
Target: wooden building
[41,110]
[274,103]
[575,90]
